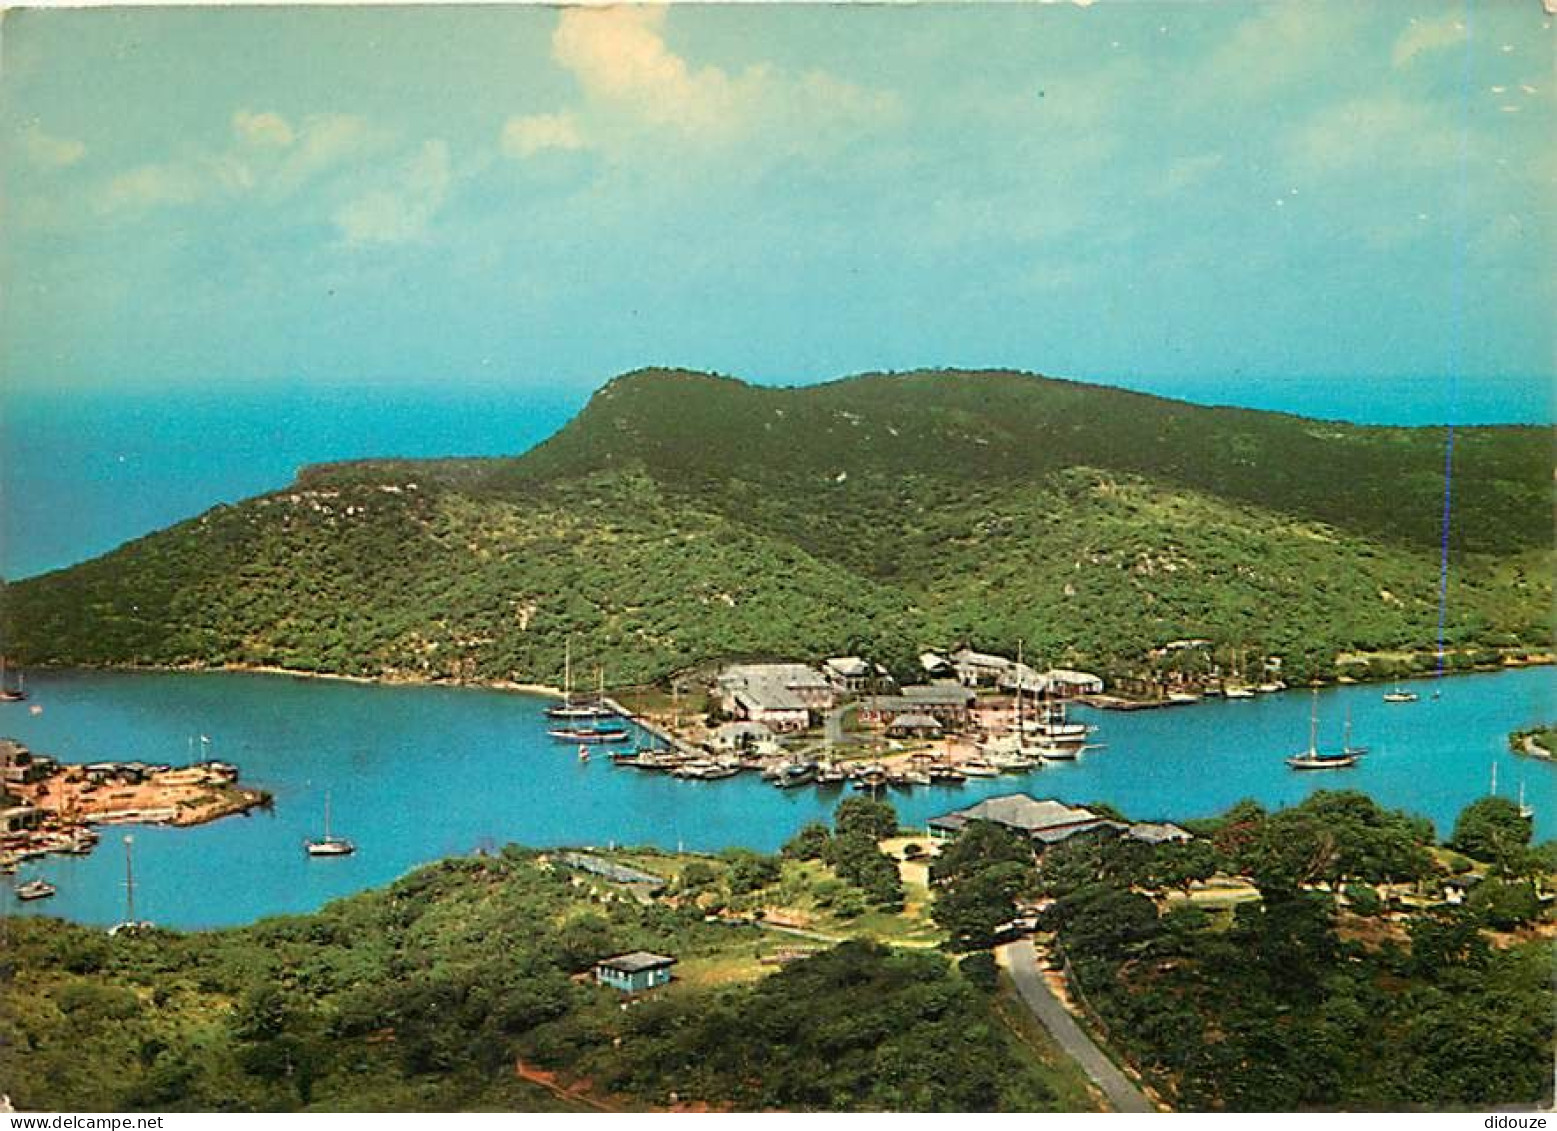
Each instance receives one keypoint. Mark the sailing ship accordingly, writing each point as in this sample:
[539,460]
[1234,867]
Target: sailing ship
[590,734]
[9,694]
[1313,758]
[1346,738]
[571,708]
[329,845]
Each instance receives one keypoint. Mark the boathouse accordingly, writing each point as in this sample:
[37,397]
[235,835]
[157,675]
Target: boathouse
[634,973]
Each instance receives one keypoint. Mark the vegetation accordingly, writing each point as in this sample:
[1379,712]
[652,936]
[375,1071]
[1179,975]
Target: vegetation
[1298,999]
[682,518]
[427,994]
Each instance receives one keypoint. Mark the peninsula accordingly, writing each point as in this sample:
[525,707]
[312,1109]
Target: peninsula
[683,519]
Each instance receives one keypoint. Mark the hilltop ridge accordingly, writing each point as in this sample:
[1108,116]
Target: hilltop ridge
[682,517]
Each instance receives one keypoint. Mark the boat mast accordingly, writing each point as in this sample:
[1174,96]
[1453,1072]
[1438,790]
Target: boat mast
[1019,693]
[129,880]
[1313,725]
[567,671]
[327,816]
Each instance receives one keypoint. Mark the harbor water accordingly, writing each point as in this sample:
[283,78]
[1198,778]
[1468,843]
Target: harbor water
[417,773]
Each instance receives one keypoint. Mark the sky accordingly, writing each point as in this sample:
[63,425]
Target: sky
[1171,191]
[225,233]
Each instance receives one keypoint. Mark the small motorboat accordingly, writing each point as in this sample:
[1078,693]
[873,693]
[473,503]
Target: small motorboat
[35,889]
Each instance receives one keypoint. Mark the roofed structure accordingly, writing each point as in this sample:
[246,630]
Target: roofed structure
[1045,821]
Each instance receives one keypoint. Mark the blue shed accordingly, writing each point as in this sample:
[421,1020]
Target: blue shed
[633,973]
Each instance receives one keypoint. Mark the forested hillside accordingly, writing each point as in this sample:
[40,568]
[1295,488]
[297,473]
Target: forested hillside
[682,518]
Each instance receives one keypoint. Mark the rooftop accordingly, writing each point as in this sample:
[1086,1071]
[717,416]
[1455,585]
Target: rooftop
[1019,811]
[637,962]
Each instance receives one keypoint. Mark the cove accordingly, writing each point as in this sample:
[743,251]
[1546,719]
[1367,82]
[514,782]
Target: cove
[418,773]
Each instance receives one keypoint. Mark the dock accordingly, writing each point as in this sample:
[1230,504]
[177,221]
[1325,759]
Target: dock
[679,745]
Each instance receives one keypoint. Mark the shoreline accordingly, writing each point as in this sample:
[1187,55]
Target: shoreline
[544,690]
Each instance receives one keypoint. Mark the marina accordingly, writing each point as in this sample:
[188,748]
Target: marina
[393,757]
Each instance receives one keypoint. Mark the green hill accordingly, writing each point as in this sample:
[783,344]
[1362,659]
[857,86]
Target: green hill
[683,517]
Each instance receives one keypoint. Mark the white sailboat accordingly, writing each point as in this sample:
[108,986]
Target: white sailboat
[1312,758]
[1399,695]
[329,845]
[571,708]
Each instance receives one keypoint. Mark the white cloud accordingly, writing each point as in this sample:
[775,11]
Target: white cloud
[619,55]
[1424,36]
[267,157]
[400,214]
[531,134]
[1374,132]
[631,78]
[325,141]
[264,129]
[1284,44]
[49,152]
[149,186]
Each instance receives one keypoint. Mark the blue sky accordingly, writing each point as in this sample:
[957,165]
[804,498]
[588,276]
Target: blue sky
[1234,194]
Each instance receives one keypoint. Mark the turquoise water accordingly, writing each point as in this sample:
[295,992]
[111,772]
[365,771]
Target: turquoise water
[416,773]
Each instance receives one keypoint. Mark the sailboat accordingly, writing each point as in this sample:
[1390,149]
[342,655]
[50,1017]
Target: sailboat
[1346,737]
[575,732]
[329,845]
[1312,759]
[570,708]
[1400,695]
[1238,689]
[1525,811]
[9,694]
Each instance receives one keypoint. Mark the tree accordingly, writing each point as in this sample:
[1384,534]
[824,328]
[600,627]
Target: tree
[1504,905]
[973,906]
[1492,830]
[868,816]
[1182,865]
[857,859]
[810,843]
[750,870]
[980,845]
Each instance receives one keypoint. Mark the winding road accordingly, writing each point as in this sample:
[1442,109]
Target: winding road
[1022,961]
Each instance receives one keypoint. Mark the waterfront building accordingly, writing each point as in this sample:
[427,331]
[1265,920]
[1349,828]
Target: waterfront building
[780,696]
[948,704]
[914,726]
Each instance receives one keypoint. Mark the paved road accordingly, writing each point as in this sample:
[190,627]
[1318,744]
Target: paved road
[1022,961]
